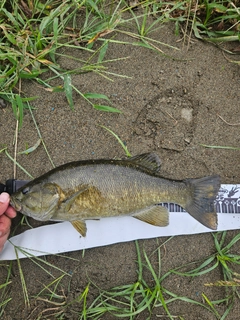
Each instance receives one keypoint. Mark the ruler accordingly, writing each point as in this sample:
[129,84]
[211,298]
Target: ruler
[227,200]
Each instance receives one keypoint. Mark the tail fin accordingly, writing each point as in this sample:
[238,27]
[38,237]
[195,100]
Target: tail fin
[201,203]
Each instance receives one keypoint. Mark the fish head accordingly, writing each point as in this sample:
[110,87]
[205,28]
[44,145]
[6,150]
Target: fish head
[38,201]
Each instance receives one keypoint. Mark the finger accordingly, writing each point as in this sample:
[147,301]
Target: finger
[5,224]
[4,202]
[11,212]
[3,239]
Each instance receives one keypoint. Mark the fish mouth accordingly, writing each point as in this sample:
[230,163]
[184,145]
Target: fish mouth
[15,205]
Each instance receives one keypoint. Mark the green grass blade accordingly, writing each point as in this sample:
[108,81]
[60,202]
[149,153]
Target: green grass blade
[14,161]
[211,306]
[20,108]
[40,136]
[232,242]
[175,297]
[68,90]
[106,108]
[224,39]
[94,7]
[90,95]
[24,287]
[219,147]
[102,52]
[31,149]
[199,270]
[5,284]
[119,140]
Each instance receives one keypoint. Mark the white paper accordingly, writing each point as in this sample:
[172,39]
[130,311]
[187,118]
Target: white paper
[62,237]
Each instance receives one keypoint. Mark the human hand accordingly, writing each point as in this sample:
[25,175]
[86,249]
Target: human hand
[6,214]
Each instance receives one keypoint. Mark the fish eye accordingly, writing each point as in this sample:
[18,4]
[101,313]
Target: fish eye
[25,190]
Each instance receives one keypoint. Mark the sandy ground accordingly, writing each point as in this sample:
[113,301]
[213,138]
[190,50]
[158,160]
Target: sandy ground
[169,106]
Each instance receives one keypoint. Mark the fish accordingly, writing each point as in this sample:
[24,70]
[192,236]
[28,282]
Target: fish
[94,189]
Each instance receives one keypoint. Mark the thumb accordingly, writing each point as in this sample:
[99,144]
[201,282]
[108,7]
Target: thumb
[4,202]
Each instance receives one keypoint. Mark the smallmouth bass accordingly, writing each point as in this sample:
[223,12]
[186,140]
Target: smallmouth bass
[93,189]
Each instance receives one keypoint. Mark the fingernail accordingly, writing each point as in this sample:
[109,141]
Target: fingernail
[4,197]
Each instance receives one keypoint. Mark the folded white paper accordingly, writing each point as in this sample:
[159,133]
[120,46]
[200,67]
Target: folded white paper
[62,237]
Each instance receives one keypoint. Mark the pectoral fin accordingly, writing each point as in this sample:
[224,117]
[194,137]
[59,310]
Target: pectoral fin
[155,215]
[69,201]
[80,226]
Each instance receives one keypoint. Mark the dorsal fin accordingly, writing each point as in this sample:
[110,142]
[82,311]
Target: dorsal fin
[150,161]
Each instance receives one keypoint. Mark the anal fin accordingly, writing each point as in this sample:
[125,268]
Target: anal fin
[80,226]
[155,215]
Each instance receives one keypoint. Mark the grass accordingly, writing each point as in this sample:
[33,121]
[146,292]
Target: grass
[34,36]
[225,260]
[128,154]
[220,147]
[129,300]
[147,295]
[5,298]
